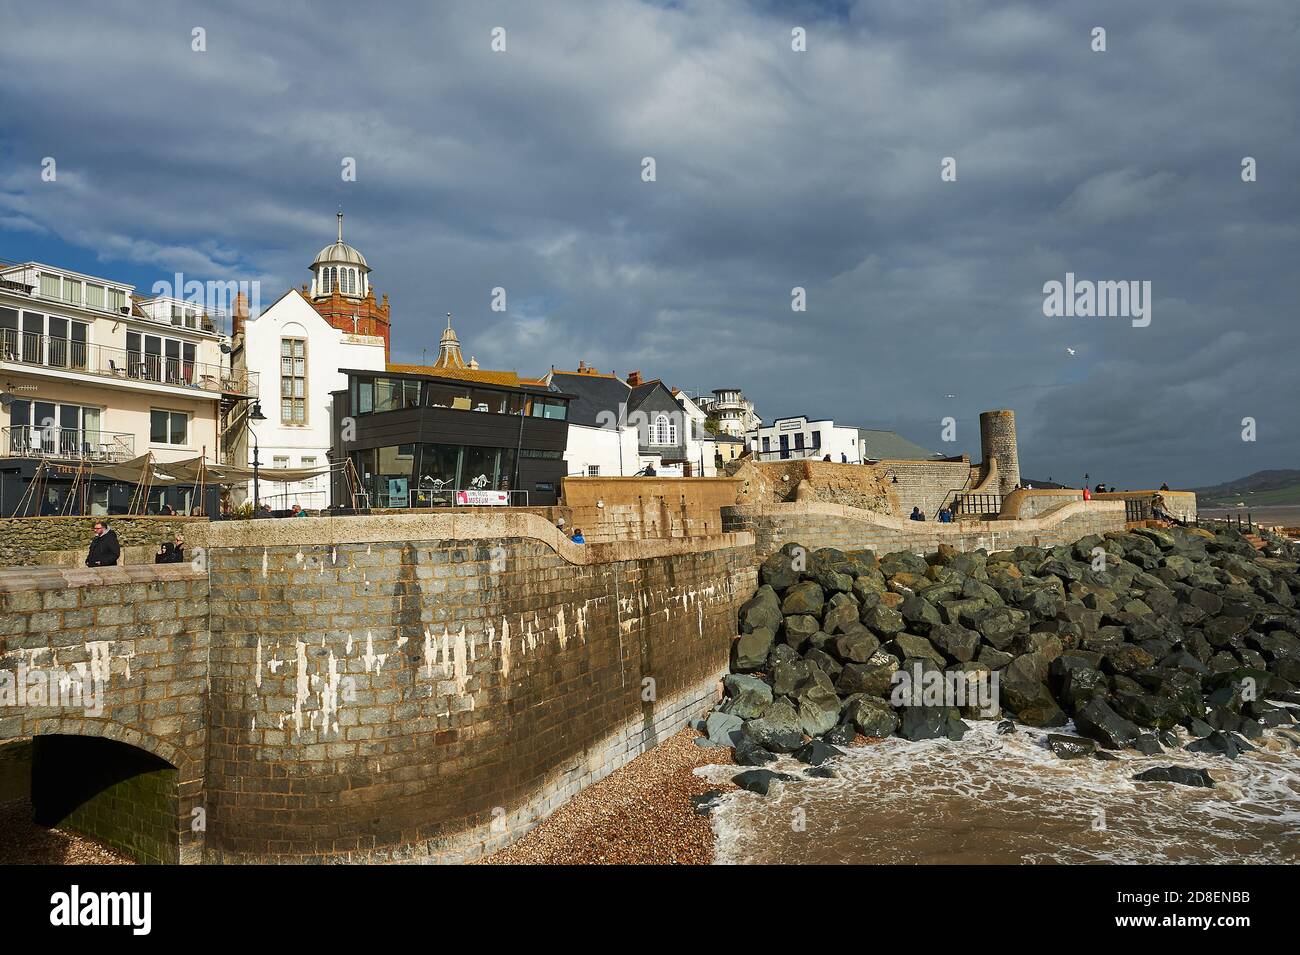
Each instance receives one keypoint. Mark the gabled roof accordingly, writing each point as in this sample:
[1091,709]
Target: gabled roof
[597,396]
[887,445]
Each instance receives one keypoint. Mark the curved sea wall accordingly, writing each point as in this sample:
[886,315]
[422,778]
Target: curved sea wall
[415,687]
[816,524]
[428,688]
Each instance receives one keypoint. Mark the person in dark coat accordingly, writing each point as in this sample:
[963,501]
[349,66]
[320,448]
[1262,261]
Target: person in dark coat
[916,515]
[104,549]
[171,552]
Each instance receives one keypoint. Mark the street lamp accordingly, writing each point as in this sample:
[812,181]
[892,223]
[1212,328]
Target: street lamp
[254,416]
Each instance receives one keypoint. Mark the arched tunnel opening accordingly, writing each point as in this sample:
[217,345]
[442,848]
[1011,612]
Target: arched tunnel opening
[121,795]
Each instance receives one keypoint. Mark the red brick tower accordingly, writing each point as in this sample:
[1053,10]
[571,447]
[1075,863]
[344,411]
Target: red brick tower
[340,291]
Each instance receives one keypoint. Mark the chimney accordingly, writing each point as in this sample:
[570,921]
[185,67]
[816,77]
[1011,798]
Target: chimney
[634,379]
[239,314]
[582,366]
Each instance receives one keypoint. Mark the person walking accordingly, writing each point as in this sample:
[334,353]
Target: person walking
[104,548]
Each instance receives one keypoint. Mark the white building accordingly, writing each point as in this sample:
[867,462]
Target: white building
[733,413]
[297,347]
[801,438]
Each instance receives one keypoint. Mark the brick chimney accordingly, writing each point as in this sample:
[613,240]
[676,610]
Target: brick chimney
[239,314]
[634,379]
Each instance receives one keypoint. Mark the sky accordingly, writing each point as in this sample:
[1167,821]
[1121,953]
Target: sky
[775,169]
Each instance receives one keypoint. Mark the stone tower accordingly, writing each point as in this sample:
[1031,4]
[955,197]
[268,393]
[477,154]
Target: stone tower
[998,443]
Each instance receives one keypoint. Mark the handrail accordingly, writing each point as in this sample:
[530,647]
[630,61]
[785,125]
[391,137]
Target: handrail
[45,351]
[76,444]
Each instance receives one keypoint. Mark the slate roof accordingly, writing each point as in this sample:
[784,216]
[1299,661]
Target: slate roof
[597,395]
[889,446]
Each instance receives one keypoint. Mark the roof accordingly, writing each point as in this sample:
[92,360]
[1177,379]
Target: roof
[887,445]
[466,374]
[597,396]
[340,253]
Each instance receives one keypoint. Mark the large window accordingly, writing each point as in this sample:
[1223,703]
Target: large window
[547,408]
[293,381]
[169,427]
[53,428]
[154,358]
[664,431]
[394,394]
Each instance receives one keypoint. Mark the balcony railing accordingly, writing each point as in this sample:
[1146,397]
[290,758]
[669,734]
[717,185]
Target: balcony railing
[791,454]
[28,348]
[69,444]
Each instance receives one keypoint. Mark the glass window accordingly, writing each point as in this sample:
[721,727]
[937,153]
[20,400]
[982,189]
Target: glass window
[493,401]
[168,427]
[547,408]
[94,295]
[365,396]
[293,381]
[116,299]
[51,286]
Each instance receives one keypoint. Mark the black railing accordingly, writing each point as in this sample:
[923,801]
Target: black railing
[1137,510]
[977,504]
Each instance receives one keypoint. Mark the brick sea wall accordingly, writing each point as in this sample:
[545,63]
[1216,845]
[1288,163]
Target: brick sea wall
[139,633]
[815,525]
[430,700]
[388,688]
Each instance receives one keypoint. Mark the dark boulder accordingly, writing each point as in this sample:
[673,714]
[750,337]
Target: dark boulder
[749,652]
[778,730]
[749,753]
[870,715]
[760,780]
[1182,775]
[955,641]
[1096,720]
[762,611]
[815,752]
[803,598]
[858,646]
[1219,743]
[1070,747]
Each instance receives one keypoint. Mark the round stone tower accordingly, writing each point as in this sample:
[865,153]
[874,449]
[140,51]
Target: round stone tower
[998,443]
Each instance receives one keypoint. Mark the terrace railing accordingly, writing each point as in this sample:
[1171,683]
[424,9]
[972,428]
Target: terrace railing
[29,348]
[66,444]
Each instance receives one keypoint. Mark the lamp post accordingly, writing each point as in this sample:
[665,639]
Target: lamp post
[254,416]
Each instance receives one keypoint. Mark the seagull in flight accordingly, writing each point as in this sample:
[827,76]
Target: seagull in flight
[1070,350]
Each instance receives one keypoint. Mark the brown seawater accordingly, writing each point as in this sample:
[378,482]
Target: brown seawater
[1010,800]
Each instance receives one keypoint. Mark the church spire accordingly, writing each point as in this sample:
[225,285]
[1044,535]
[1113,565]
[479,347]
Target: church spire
[340,226]
[449,355]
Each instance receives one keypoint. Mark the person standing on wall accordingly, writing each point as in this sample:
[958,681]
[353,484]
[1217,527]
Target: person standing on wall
[104,548]
[916,515]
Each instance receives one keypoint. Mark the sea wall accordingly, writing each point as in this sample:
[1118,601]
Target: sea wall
[815,524]
[429,688]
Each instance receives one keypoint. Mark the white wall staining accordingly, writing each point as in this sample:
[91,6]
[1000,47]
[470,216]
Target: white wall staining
[257,674]
[265,563]
[302,686]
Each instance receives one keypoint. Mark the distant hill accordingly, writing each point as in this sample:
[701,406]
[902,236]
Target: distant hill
[1261,488]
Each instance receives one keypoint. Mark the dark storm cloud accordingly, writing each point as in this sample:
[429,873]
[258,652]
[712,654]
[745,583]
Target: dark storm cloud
[775,169]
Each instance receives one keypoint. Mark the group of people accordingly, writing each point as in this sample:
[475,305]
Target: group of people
[576,536]
[105,549]
[944,516]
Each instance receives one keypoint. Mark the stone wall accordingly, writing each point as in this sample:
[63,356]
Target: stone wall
[617,508]
[925,484]
[417,694]
[375,688]
[1181,504]
[27,541]
[138,636]
[1031,503]
[828,525]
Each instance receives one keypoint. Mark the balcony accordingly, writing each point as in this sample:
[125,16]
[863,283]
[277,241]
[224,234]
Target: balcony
[43,351]
[791,454]
[66,444]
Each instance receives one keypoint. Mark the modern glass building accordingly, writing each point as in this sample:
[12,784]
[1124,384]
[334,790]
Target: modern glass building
[429,437]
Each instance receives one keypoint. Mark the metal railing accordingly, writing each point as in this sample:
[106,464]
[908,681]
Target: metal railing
[1137,510]
[29,348]
[72,444]
[794,454]
[977,504]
